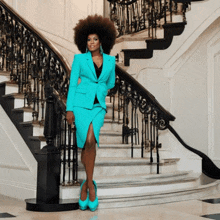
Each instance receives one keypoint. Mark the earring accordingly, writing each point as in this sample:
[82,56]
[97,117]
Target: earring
[101,49]
[87,50]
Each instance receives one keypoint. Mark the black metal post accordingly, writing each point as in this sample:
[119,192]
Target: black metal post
[48,174]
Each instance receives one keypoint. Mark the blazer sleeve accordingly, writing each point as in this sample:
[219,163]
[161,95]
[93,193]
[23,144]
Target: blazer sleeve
[111,80]
[74,76]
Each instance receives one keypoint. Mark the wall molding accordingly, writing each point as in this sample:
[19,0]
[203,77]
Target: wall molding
[190,35]
[213,49]
[14,167]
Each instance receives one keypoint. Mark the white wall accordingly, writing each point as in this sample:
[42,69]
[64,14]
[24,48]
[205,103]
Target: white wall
[18,167]
[56,19]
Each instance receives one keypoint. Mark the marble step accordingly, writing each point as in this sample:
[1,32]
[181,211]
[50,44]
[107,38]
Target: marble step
[124,150]
[177,192]
[18,99]
[121,189]
[27,113]
[142,190]
[109,103]
[4,76]
[111,132]
[114,136]
[11,90]
[109,100]
[110,125]
[10,87]
[39,140]
[110,137]
[114,129]
[118,151]
[118,116]
[106,136]
[127,166]
[20,102]
[38,130]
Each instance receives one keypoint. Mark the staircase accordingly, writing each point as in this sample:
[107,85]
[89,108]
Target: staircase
[128,172]
[122,181]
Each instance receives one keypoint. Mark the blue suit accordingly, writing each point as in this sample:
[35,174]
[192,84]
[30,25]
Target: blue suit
[83,94]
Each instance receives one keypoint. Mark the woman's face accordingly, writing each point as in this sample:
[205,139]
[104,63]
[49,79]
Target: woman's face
[93,42]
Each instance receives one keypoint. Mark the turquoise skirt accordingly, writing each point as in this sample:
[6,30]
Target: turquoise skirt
[83,118]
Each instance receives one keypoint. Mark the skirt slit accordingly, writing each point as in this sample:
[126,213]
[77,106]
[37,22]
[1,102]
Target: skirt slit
[83,118]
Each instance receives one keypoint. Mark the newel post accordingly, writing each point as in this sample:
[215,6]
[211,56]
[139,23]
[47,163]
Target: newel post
[49,163]
[48,175]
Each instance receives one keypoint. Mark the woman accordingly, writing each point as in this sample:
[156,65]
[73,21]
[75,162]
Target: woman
[94,37]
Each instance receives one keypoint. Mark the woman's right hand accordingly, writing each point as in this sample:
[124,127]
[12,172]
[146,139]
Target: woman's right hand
[70,117]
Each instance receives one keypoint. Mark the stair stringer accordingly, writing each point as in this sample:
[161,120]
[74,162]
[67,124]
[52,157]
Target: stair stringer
[18,167]
[200,17]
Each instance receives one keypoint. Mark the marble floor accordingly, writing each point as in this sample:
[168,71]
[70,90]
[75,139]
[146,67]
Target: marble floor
[186,210]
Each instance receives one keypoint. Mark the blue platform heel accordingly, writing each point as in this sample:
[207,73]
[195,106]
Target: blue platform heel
[93,205]
[83,204]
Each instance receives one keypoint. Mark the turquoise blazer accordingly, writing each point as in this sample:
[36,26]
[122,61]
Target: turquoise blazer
[83,94]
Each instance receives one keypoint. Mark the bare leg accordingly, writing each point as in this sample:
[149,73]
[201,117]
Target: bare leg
[88,160]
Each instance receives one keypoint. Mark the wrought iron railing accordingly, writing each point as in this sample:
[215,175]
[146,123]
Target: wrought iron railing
[142,115]
[34,62]
[131,16]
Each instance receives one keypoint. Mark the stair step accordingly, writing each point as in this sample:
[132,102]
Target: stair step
[4,76]
[110,125]
[106,161]
[18,99]
[109,114]
[138,36]
[38,130]
[10,87]
[177,192]
[118,150]
[39,140]
[124,150]
[109,104]
[107,137]
[140,190]
[140,179]
[128,166]
[27,113]
[136,189]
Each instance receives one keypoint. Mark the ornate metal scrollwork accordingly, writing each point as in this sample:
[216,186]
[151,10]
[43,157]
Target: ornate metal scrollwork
[138,105]
[162,124]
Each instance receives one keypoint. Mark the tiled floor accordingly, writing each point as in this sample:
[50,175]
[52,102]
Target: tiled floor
[186,210]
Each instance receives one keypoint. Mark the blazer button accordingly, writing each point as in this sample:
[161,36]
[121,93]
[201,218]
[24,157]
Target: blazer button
[96,82]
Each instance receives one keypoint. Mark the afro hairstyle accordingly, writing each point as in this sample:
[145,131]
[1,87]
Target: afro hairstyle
[95,24]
